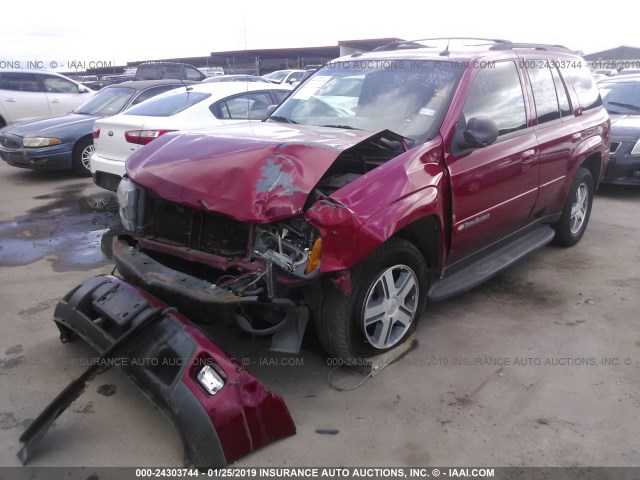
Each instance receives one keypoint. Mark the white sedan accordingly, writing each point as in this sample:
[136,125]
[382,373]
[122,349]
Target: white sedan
[192,107]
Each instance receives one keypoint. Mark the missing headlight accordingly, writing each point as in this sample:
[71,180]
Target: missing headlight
[287,245]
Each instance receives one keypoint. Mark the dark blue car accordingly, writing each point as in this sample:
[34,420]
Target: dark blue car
[63,143]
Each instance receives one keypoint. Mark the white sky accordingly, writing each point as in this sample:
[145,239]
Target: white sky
[117,31]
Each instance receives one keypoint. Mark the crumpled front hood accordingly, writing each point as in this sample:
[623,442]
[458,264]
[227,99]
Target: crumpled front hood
[52,127]
[259,172]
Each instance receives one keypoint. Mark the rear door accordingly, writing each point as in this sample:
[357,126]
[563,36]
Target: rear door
[557,131]
[493,188]
[22,97]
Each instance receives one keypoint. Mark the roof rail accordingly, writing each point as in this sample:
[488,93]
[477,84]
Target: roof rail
[532,46]
[402,44]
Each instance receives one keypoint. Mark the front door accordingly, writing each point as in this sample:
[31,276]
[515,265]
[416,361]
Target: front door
[494,188]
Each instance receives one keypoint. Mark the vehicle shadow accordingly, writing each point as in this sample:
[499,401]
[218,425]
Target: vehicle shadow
[619,191]
[36,177]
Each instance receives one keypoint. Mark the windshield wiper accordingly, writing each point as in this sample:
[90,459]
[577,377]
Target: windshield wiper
[347,127]
[626,105]
[279,118]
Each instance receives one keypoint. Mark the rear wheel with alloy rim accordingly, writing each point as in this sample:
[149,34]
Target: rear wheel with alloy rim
[577,209]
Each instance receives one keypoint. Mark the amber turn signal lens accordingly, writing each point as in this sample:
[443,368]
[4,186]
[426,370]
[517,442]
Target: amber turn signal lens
[314,256]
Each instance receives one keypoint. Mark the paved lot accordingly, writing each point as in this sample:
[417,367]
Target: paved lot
[538,367]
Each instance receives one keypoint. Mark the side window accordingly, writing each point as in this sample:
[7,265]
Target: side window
[248,106]
[191,73]
[19,82]
[496,93]
[152,92]
[563,97]
[58,85]
[585,86]
[544,91]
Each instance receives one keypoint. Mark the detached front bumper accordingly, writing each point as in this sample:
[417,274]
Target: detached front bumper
[242,416]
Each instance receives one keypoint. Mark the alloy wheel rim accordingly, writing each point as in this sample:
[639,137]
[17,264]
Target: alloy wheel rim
[390,306]
[579,208]
[86,156]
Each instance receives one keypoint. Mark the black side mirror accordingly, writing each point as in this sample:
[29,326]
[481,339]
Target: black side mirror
[479,133]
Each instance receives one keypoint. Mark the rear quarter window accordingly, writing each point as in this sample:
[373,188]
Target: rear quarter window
[584,85]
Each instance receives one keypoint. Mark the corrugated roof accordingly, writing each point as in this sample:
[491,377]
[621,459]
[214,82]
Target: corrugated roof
[620,53]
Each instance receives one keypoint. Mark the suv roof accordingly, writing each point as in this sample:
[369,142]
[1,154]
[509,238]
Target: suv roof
[493,44]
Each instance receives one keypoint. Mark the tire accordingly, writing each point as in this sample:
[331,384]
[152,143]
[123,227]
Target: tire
[340,321]
[2,123]
[82,152]
[577,209]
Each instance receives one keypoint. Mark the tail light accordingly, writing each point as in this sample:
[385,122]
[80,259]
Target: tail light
[142,137]
[96,132]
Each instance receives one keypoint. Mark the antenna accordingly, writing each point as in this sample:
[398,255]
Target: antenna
[445,52]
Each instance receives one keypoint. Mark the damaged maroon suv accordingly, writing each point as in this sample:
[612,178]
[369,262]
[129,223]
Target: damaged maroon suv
[387,180]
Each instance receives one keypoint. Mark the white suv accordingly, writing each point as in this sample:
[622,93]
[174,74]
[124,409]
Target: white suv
[27,95]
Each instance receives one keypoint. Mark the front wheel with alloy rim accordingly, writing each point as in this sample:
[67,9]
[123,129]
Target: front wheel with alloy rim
[81,161]
[577,209]
[388,295]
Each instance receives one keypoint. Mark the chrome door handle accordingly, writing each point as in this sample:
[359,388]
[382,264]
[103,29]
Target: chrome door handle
[528,156]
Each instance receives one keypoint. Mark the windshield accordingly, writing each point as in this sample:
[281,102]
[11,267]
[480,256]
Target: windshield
[107,102]
[408,97]
[167,104]
[621,97]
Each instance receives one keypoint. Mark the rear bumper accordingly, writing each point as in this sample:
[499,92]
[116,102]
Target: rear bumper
[101,164]
[216,429]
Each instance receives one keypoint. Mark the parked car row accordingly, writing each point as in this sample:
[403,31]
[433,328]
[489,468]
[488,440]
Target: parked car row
[67,141]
